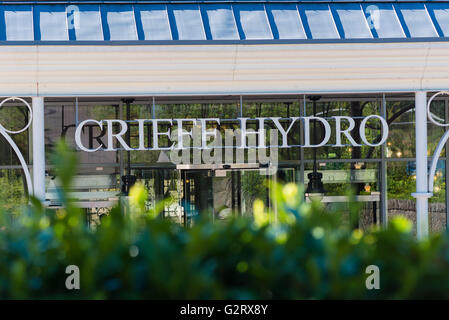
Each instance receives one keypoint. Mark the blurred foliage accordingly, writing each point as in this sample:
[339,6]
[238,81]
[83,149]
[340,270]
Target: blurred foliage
[400,184]
[301,251]
[253,187]
[12,194]
[14,117]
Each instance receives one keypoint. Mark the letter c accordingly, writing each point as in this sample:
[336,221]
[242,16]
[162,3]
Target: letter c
[78,131]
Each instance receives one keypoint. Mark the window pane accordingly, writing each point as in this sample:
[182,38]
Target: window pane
[401,138]
[12,192]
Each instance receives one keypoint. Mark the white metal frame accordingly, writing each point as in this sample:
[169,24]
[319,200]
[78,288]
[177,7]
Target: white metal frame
[38,148]
[422,195]
[4,132]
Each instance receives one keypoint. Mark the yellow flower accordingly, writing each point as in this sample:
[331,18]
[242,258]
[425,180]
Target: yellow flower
[260,217]
[44,222]
[402,224]
[357,234]
[61,213]
[138,195]
[281,237]
[290,193]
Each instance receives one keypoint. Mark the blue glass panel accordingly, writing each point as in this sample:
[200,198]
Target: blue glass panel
[416,20]
[383,20]
[285,21]
[351,21]
[440,13]
[253,22]
[318,19]
[155,24]
[221,22]
[52,22]
[18,22]
[189,24]
[120,23]
[226,20]
[86,22]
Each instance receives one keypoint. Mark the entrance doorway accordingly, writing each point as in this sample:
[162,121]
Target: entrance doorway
[212,191]
[197,194]
[218,192]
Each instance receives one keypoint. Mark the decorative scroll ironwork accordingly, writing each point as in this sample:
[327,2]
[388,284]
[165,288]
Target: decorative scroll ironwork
[440,146]
[6,134]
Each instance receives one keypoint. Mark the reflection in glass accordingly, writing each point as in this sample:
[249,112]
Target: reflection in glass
[12,192]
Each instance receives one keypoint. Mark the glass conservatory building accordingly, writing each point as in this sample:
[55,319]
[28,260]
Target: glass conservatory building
[344,85]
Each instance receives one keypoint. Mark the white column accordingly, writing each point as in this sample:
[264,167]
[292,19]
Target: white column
[422,193]
[38,148]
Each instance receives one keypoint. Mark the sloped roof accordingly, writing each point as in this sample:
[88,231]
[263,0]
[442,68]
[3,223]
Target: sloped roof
[209,22]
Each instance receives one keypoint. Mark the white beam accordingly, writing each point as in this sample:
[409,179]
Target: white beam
[422,193]
[38,148]
[149,70]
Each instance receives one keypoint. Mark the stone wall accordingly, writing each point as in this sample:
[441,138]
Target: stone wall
[407,208]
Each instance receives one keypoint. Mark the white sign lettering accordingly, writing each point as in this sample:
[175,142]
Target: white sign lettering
[116,129]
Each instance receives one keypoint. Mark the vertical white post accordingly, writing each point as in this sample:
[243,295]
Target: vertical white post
[38,148]
[422,193]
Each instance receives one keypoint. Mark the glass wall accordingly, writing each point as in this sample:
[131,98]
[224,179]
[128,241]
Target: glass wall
[14,116]
[97,182]
[347,168]
[401,165]
[382,178]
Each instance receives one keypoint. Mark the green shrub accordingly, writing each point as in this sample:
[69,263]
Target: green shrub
[307,254]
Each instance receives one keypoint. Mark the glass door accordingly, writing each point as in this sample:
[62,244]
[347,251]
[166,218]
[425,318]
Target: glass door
[197,194]
[220,194]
